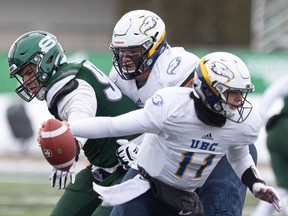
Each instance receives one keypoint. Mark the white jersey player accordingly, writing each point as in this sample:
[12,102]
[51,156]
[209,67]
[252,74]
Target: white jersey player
[173,67]
[145,63]
[187,132]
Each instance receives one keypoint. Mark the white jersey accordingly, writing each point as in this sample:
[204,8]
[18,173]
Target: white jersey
[178,148]
[172,68]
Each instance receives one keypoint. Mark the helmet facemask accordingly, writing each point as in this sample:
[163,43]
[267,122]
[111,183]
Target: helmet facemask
[235,111]
[131,62]
[23,89]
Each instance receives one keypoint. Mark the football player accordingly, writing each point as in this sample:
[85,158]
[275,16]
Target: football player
[143,63]
[187,132]
[71,91]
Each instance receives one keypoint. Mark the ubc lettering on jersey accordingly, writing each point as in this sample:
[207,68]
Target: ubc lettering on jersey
[173,65]
[47,43]
[203,145]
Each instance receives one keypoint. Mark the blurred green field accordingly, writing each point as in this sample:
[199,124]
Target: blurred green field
[26,195]
[31,195]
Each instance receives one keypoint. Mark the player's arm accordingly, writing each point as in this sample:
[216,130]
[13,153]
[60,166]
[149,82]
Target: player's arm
[244,166]
[79,104]
[100,127]
[150,119]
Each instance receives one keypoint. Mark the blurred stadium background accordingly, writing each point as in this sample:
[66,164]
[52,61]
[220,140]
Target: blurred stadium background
[255,30]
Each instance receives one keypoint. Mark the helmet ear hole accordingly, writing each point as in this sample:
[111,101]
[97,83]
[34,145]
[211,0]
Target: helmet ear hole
[49,60]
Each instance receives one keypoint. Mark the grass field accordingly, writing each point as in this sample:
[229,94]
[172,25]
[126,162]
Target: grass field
[31,195]
[26,195]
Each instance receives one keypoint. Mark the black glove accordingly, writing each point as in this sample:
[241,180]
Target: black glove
[77,149]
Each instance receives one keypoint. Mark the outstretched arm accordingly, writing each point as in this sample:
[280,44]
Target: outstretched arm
[130,123]
[244,166]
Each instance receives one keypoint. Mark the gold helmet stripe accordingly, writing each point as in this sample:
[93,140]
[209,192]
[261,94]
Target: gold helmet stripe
[152,50]
[206,77]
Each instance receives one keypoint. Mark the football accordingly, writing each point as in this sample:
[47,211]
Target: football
[58,145]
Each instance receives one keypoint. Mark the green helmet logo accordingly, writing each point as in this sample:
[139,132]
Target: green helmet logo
[47,43]
[35,48]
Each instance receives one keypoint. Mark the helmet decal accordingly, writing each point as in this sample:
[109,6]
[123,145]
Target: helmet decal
[149,23]
[222,70]
[47,43]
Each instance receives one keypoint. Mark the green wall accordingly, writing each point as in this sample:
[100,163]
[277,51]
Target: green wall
[264,68]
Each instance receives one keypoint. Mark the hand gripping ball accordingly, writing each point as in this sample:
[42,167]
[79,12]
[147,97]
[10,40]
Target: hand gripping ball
[58,145]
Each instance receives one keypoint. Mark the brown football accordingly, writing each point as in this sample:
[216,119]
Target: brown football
[58,145]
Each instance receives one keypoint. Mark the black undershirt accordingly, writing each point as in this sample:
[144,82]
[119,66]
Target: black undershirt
[206,115]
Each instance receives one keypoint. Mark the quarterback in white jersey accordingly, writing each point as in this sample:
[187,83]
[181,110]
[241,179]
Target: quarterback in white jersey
[186,134]
[143,63]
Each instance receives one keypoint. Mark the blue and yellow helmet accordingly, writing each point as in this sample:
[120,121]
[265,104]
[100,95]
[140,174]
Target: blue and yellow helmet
[217,73]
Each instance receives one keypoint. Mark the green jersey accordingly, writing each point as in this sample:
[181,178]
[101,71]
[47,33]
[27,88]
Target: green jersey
[110,102]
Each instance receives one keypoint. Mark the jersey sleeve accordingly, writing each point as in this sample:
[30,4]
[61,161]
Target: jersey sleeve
[155,110]
[149,119]
[81,103]
[189,64]
[134,122]
[179,65]
[240,159]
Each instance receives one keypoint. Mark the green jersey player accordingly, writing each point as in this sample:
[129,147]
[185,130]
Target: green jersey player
[72,91]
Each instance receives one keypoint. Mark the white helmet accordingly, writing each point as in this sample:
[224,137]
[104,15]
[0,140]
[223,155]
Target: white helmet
[141,31]
[219,72]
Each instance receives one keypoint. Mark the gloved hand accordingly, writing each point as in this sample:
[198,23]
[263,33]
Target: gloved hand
[126,153]
[59,178]
[267,194]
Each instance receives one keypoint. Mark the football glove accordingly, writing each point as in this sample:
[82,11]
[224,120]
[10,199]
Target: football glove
[59,178]
[126,153]
[267,194]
